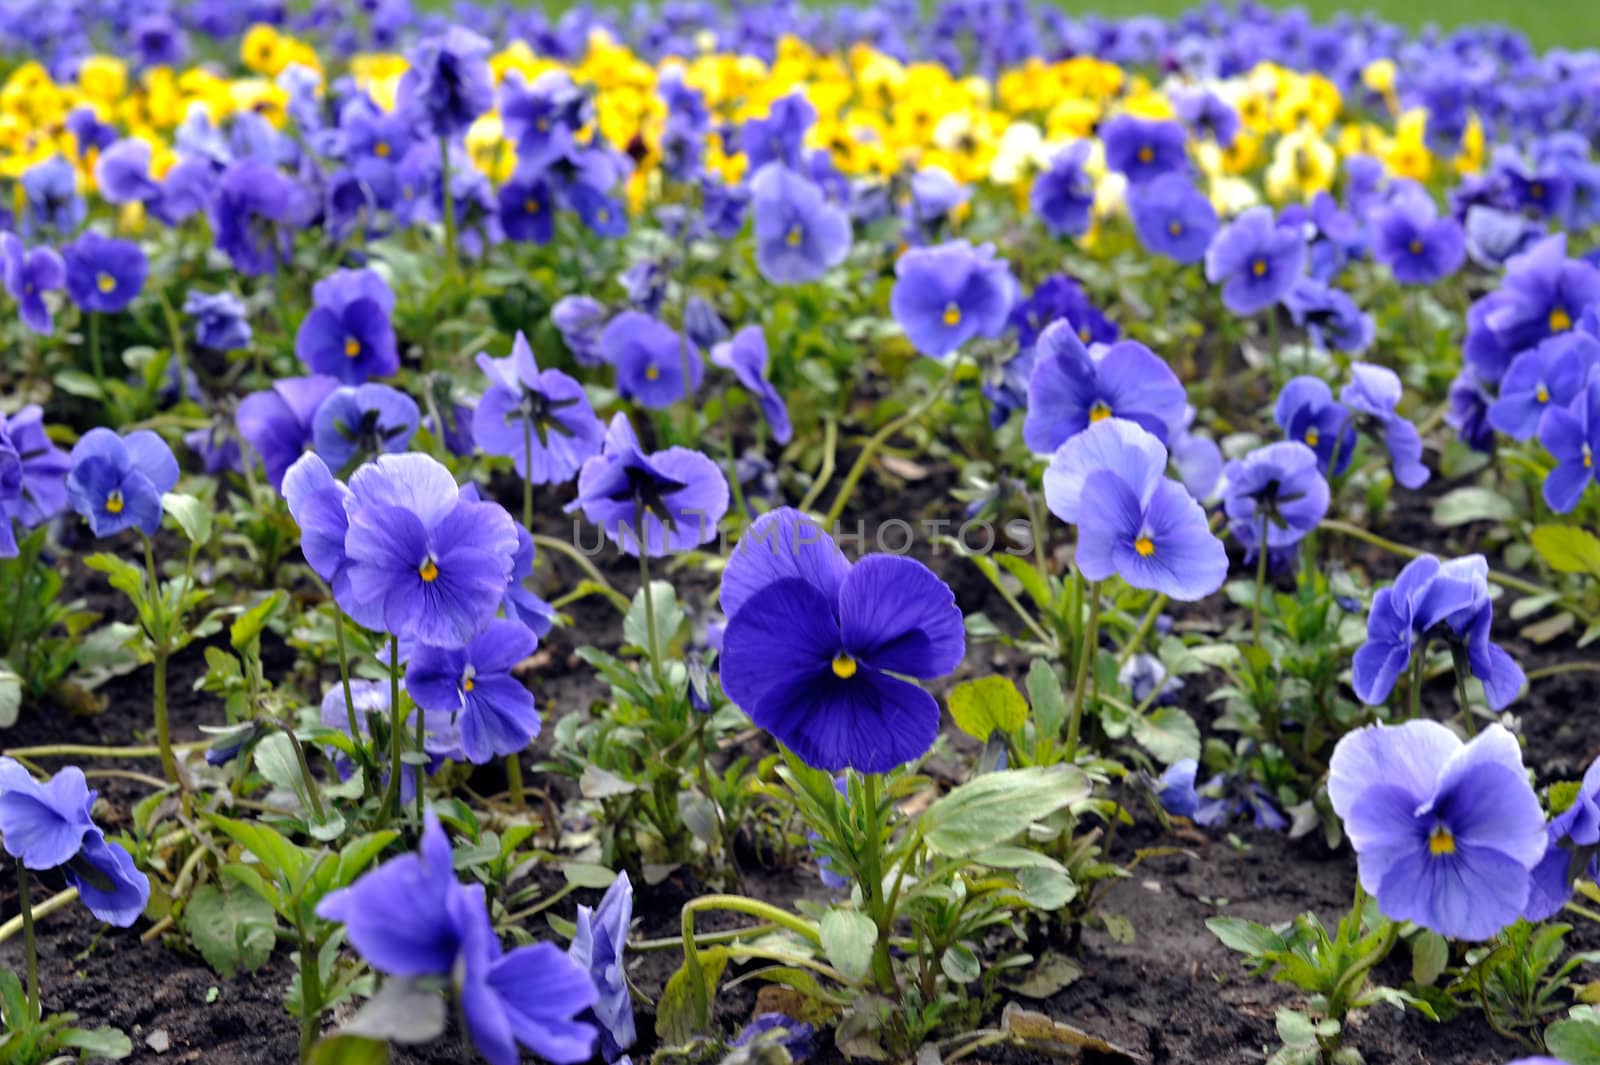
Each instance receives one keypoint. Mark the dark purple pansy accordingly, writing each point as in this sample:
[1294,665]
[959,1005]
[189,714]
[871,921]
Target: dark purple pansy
[815,648]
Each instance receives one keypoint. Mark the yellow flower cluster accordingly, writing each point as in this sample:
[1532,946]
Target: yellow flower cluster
[875,114]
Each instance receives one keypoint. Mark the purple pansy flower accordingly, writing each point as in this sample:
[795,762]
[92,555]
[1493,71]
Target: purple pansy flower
[29,274]
[1371,396]
[678,494]
[277,423]
[651,360]
[493,710]
[799,235]
[540,418]
[1133,521]
[1572,436]
[1142,148]
[1255,260]
[360,423]
[347,334]
[815,647]
[1277,488]
[1063,193]
[1541,378]
[1307,412]
[946,295]
[117,482]
[104,274]
[746,356]
[1445,833]
[598,940]
[1173,218]
[48,825]
[1070,389]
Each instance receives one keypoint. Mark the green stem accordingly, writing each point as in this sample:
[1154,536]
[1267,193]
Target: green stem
[1419,671]
[422,745]
[59,901]
[1086,656]
[824,475]
[1458,660]
[514,781]
[78,750]
[312,791]
[391,794]
[310,996]
[96,360]
[29,947]
[550,543]
[737,904]
[733,461]
[1504,580]
[879,438]
[645,590]
[1146,623]
[1261,579]
[351,719]
[158,668]
[1561,668]
[872,874]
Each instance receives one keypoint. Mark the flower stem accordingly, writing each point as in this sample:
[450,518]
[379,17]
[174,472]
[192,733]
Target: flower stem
[1146,623]
[59,901]
[1419,671]
[872,874]
[879,438]
[312,790]
[29,947]
[1086,654]
[1458,660]
[1261,579]
[159,647]
[733,461]
[352,720]
[514,781]
[96,360]
[391,794]
[736,904]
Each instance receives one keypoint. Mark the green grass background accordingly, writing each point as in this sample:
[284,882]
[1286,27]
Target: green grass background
[1548,23]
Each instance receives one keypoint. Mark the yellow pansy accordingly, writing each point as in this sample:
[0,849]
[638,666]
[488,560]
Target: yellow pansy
[1303,164]
[103,78]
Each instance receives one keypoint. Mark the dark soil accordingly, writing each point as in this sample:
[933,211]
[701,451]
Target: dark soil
[1174,993]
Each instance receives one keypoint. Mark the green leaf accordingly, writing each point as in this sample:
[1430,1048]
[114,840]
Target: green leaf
[1046,889]
[1471,504]
[848,937]
[1567,549]
[274,851]
[1246,937]
[403,1011]
[676,1022]
[1576,1041]
[10,697]
[349,1050]
[986,705]
[588,875]
[1295,1028]
[192,516]
[998,806]
[1429,955]
[1049,975]
[246,630]
[960,965]
[95,1044]
[233,928]
[1169,734]
[1049,702]
[669,616]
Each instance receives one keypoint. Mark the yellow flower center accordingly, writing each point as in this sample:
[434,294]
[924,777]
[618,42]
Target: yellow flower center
[1588,458]
[1100,411]
[530,206]
[952,315]
[352,347]
[114,503]
[1536,190]
[1441,842]
[105,282]
[793,237]
[1145,546]
[381,149]
[1312,436]
[1175,228]
[542,125]
[428,571]
[1560,320]
[844,667]
[1259,268]
[468,684]
[1146,154]
[1416,247]
[651,373]
[602,215]
[1542,395]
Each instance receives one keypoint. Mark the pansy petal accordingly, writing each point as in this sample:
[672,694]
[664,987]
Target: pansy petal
[896,615]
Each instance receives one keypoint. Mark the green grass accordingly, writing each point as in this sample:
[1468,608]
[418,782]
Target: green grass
[1547,23]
